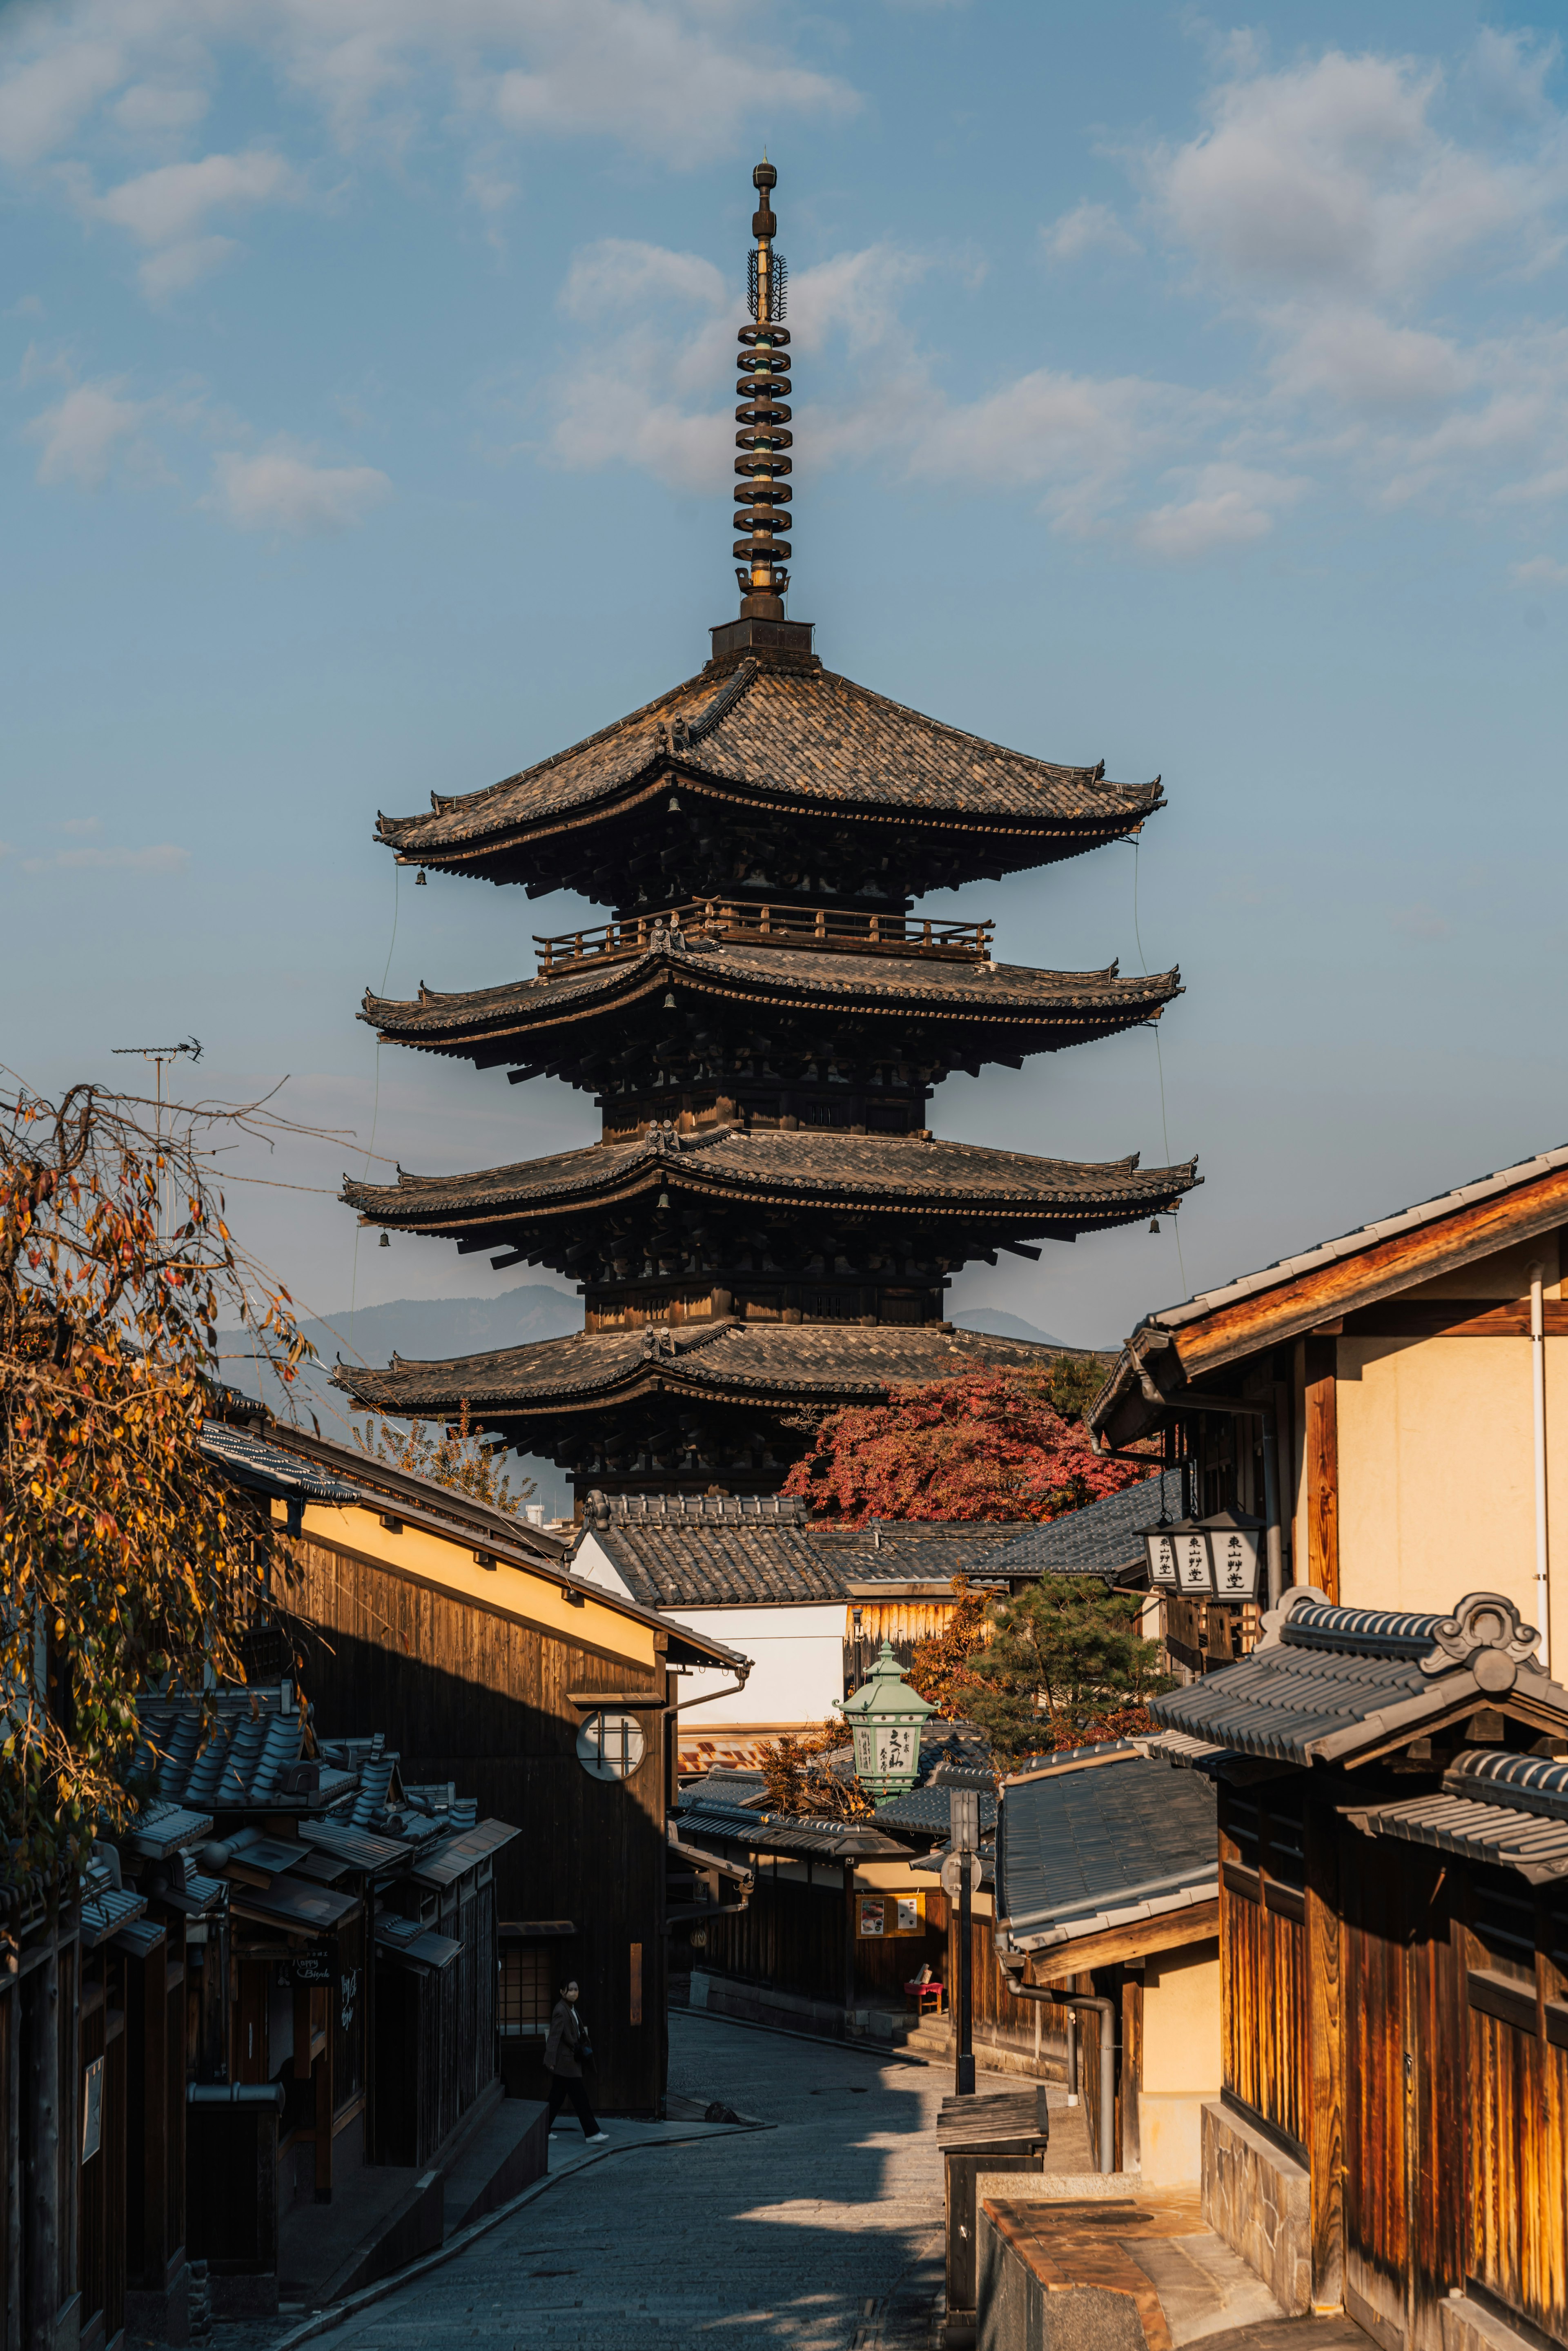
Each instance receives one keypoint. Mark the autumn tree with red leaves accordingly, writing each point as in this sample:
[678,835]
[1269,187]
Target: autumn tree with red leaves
[983,1445]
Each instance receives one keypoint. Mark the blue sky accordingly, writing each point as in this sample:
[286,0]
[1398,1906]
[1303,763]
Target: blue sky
[1183,392]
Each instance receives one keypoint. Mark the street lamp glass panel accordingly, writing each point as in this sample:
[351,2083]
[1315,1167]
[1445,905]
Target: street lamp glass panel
[1234,1545]
[1194,1572]
[1160,1543]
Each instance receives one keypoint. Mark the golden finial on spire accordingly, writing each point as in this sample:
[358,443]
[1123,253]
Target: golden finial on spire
[762,497]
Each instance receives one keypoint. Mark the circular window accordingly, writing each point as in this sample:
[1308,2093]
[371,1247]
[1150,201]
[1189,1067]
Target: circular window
[611,1746]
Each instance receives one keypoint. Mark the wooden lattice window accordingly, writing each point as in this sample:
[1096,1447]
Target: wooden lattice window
[527,1992]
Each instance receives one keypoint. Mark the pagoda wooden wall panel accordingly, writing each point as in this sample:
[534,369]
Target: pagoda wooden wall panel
[474,1698]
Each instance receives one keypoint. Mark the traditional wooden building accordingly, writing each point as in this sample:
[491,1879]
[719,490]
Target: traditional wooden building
[1346,1393]
[1108,1911]
[494,1669]
[1393,1816]
[767,1226]
[810,1606]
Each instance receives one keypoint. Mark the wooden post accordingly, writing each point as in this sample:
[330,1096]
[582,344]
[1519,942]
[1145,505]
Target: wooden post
[1323,2025]
[1322,1466]
[41,2155]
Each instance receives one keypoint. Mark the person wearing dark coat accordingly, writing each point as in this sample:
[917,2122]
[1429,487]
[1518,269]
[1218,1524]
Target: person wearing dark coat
[564,2050]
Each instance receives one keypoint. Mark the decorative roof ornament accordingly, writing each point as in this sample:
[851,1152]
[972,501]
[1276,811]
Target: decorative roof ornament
[761,494]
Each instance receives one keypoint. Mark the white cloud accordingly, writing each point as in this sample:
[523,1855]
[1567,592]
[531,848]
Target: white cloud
[158,857]
[81,824]
[44,99]
[617,275]
[1420,922]
[1364,361]
[1087,228]
[1231,506]
[148,108]
[1540,571]
[80,433]
[278,490]
[173,201]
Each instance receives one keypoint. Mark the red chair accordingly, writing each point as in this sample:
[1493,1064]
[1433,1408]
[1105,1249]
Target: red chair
[923,1992]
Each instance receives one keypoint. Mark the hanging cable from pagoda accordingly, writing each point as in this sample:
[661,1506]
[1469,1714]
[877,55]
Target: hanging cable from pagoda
[762,496]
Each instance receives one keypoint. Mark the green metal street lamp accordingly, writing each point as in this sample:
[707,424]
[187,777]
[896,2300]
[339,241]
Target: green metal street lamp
[885,1717]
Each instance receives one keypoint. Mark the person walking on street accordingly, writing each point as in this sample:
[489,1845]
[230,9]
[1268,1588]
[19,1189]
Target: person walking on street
[566,2050]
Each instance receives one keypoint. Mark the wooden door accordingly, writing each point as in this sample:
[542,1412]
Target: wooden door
[1516,1997]
[1404,2098]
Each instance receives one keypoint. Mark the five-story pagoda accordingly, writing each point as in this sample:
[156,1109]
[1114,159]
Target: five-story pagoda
[767,1226]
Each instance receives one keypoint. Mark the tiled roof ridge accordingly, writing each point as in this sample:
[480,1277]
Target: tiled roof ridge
[603,1163]
[1092,777]
[920,977]
[1423,1212]
[390,828]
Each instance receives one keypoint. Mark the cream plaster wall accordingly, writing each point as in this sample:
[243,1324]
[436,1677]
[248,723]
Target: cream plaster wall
[1181,2061]
[1437,1460]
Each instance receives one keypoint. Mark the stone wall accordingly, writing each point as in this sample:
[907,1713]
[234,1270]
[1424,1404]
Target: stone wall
[1260,2201]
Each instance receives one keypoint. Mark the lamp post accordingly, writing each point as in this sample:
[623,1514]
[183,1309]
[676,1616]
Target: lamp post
[964,1836]
[885,1717]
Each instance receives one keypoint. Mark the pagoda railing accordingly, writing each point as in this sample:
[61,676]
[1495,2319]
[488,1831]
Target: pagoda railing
[837,929]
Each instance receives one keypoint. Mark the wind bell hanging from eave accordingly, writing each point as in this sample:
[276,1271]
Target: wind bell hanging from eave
[761,497]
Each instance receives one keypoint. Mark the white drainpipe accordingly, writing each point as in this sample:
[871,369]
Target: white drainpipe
[1538,1368]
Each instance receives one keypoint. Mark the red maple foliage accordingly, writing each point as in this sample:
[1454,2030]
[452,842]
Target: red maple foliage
[985,1445]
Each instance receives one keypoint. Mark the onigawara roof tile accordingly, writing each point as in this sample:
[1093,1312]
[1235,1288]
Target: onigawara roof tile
[1054,1008]
[789,735]
[1108,1840]
[754,1360]
[1328,1684]
[771,1165]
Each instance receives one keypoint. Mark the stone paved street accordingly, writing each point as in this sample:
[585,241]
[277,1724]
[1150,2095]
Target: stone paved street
[794,2235]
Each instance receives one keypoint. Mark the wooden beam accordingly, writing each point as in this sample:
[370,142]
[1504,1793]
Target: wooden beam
[1322,1466]
[1326,2058]
[1142,1940]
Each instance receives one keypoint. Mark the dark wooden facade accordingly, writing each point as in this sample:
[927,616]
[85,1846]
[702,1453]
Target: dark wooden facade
[481,1693]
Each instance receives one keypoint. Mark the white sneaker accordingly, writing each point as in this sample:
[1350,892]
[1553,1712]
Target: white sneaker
[597,2139]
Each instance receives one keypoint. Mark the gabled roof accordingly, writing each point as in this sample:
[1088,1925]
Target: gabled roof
[711,1551]
[1180,1344]
[1108,1840]
[1105,1537]
[1342,1685]
[768,1167]
[1041,1010]
[778,735]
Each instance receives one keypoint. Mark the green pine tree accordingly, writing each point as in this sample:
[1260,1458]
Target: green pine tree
[1063,1664]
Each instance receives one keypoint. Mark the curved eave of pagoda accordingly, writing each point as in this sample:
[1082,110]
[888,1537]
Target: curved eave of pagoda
[962,1185]
[755,1364]
[1041,1011]
[1012,842]
[856,755]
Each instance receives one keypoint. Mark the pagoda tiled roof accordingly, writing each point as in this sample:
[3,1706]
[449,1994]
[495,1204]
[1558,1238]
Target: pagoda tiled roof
[816,1361]
[789,734]
[883,1171]
[1062,1006]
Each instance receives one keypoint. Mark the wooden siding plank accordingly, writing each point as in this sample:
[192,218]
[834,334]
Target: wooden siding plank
[1322,1466]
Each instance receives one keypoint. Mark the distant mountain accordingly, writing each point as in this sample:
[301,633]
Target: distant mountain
[1001,1325]
[424,1330]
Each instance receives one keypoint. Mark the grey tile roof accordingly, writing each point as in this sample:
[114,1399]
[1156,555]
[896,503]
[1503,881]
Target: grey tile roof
[786,1833]
[768,1167]
[1044,1009]
[798,736]
[109,1911]
[1325,1682]
[695,1557]
[1102,1845]
[1103,1537]
[270,1469]
[820,1362]
[929,1808]
[1509,1811]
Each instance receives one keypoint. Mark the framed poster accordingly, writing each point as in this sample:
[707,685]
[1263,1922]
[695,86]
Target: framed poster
[874,1918]
[909,1919]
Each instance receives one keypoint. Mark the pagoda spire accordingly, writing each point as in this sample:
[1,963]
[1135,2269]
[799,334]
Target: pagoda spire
[762,495]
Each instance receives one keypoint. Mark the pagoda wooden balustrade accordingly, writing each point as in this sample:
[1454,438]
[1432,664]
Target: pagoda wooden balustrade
[831,927]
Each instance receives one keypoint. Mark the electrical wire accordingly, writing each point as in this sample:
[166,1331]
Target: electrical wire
[375,1106]
[1159,1065]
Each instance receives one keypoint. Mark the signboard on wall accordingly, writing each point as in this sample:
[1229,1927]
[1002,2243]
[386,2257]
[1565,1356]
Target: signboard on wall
[892,1914]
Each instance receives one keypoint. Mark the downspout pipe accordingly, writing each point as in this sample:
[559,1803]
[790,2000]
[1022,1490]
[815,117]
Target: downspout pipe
[1105,2152]
[1538,1381]
[1275,1557]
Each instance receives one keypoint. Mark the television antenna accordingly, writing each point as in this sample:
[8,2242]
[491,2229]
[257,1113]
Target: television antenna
[160,1055]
